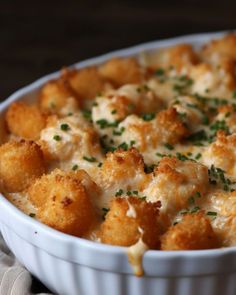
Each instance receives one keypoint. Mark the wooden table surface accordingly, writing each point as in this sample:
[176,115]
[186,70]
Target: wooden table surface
[38,37]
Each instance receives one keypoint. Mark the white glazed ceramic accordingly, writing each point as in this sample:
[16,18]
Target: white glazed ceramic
[72,266]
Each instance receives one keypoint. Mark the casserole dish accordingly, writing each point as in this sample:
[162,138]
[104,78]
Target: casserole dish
[70,265]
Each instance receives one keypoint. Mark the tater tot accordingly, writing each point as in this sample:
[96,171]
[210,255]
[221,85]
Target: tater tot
[170,126]
[63,201]
[20,164]
[130,219]
[123,164]
[87,83]
[194,232]
[215,50]
[180,57]
[122,71]
[58,97]
[25,121]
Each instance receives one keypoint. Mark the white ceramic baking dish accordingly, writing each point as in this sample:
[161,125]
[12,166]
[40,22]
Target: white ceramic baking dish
[72,266]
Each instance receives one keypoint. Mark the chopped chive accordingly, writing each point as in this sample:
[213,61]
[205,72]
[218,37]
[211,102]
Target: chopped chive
[90,159]
[32,215]
[65,127]
[148,116]
[212,213]
[119,192]
[57,137]
[195,209]
[159,72]
[100,164]
[132,142]
[198,156]
[75,167]
[169,146]
[160,155]
[113,112]
[123,146]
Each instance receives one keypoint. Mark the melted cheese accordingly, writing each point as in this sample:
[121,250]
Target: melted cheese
[135,255]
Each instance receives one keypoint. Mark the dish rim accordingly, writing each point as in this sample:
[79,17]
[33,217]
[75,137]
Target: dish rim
[35,226]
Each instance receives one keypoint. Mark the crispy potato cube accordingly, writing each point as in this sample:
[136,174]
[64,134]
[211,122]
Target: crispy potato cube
[120,71]
[20,164]
[87,82]
[194,232]
[25,121]
[181,56]
[58,97]
[123,164]
[63,201]
[224,47]
[130,219]
[170,126]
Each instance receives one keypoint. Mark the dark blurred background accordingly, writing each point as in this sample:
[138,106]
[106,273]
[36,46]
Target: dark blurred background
[38,37]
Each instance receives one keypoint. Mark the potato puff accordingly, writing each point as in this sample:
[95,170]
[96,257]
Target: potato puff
[193,115]
[87,82]
[165,127]
[128,220]
[120,71]
[121,171]
[64,137]
[64,202]
[227,113]
[180,57]
[20,164]
[224,47]
[173,183]
[194,232]
[213,81]
[128,99]
[170,126]
[58,97]
[221,153]
[223,205]
[122,164]
[25,121]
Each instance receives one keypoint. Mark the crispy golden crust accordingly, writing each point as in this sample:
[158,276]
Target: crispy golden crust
[20,164]
[179,56]
[223,47]
[56,95]
[122,71]
[221,153]
[194,232]
[25,121]
[123,164]
[170,126]
[124,228]
[87,83]
[63,201]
